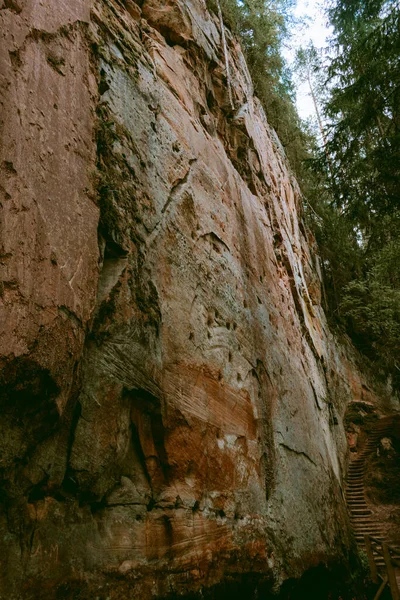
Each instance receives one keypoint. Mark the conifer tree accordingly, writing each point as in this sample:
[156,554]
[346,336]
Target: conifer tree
[364,152]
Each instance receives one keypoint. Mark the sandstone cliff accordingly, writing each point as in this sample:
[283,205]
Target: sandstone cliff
[171,397]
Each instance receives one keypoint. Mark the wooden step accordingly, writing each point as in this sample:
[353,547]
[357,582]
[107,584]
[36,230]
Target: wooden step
[354,484]
[361,517]
[359,498]
[355,499]
[363,522]
[355,487]
[360,511]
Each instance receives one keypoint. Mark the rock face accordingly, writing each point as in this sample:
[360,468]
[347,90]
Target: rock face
[171,397]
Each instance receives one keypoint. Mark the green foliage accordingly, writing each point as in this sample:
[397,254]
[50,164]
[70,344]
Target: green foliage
[364,564]
[364,108]
[356,179]
[340,253]
[372,307]
[382,478]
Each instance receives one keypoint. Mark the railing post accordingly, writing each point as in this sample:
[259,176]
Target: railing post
[391,573]
[381,588]
[371,560]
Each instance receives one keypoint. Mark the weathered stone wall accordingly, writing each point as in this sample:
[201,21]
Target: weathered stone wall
[171,395]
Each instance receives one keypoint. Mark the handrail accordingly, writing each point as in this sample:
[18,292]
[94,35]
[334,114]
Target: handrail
[379,542]
[381,588]
[396,561]
[390,561]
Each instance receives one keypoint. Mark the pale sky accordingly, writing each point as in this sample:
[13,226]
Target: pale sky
[316,30]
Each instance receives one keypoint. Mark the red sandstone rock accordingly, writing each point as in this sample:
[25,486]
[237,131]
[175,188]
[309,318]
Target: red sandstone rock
[49,217]
[184,426]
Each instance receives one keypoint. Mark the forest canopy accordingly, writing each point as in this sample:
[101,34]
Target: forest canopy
[361,162]
[350,171]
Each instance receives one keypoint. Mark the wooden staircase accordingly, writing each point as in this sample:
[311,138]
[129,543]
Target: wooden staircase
[367,531]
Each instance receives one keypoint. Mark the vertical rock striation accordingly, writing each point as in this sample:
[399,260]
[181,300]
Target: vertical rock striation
[171,397]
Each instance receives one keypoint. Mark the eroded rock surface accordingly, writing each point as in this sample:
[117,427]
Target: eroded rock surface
[171,395]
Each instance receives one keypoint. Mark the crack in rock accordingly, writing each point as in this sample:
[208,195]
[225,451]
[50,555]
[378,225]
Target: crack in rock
[298,452]
[216,237]
[178,186]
